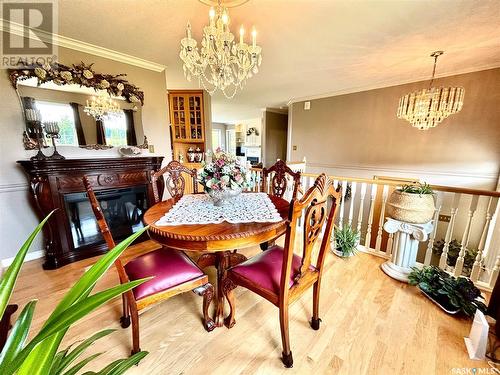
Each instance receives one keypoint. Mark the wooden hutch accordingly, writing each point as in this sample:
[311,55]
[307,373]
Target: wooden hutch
[187,126]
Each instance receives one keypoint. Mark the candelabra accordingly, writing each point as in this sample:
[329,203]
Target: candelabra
[52,131]
[33,118]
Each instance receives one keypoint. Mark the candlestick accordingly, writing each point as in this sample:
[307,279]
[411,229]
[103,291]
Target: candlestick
[242,33]
[254,37]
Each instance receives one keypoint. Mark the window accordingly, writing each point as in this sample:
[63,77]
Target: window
[231,141]
[63,115]
[217,139]
[115,129]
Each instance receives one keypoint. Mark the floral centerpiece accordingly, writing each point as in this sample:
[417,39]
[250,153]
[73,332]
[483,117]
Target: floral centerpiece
[223,177]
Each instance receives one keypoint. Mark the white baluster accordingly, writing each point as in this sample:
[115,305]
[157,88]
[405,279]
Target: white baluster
[385,193]
[449,231]
[476,268]
[430,244]
[494,272]
[361,207]
[465,238]
[341,213]
[351,207]
[373,195]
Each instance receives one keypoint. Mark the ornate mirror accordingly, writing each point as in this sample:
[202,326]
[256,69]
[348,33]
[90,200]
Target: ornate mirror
[78,106]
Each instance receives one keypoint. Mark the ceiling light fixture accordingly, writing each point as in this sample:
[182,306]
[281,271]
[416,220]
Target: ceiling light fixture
[101,106]
[220,62]
[426,108]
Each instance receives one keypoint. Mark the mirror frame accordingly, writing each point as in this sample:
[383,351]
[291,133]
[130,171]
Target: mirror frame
[82,75]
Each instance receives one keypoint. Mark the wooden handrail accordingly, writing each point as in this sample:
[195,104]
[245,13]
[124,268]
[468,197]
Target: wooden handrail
[450,189]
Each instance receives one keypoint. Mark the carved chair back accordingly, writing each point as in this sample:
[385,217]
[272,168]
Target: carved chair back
[279,180]
[317,212]
[174,180]
[103,227]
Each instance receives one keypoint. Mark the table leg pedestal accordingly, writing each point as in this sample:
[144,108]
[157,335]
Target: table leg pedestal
[405,247]
[222,260]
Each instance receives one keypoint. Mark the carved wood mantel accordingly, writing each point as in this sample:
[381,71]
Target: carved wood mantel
[50,180]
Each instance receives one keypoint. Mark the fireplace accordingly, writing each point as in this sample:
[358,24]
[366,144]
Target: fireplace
[122,186]
[122,208]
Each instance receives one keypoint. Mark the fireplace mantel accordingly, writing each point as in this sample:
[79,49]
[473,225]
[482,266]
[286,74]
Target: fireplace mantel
[53,180]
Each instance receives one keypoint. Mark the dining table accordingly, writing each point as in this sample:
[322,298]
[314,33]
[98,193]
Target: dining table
[218,243]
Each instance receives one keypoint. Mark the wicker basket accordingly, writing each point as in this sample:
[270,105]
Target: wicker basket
[411,208]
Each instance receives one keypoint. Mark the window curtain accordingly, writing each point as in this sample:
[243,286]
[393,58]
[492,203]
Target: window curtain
[29,103]
[101,136]
[78,124]
[129,121]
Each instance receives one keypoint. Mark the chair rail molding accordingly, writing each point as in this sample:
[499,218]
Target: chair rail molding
[410,171]
[78,45]
[13,187]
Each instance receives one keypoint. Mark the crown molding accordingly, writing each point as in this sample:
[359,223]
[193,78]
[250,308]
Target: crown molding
[77,45]
[353,90]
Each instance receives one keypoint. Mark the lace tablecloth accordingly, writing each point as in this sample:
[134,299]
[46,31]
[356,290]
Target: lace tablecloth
[199,209]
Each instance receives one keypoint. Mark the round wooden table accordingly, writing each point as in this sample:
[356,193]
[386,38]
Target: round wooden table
[217,242]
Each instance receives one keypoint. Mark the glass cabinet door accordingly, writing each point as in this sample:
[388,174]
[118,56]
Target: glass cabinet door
[179,116]
[195,117]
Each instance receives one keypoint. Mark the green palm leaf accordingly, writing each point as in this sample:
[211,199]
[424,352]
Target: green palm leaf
[8,280]
[17,335]
[38,361]
[73,370]
[69,357]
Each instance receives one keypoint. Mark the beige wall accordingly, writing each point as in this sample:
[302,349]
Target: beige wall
[359,135]
[18,219]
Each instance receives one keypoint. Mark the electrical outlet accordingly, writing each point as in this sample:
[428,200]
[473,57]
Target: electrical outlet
[444,218]
[294,148]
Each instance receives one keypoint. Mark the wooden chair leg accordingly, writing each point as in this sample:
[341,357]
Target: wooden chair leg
[228,286]
[315,321]
[208,296]
[134,314]
[125,318]
[287,357]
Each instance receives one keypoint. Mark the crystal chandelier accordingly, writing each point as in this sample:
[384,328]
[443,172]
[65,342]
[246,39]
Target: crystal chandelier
[220,62]
[426,108]
[101,106]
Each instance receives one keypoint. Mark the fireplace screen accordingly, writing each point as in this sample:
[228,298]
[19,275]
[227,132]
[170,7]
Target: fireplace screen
[122,208]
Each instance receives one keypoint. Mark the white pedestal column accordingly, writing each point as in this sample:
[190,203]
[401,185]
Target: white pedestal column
[405,247]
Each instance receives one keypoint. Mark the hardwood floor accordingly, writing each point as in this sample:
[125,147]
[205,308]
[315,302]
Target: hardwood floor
[371,325]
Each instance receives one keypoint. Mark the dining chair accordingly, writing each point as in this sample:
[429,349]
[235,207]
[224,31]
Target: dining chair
[280,175]
[275,181]
[172,270]
[279,275]
[174,180]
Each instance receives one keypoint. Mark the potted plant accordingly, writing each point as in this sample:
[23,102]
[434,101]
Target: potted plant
[454,248]
[412,204]
[345,241]
[453,295]
[223,177]
[40,354]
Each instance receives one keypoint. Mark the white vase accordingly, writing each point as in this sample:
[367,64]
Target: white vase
[221,197]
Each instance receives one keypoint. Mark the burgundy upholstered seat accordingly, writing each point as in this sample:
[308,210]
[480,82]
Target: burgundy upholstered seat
[264,269]
[170,268]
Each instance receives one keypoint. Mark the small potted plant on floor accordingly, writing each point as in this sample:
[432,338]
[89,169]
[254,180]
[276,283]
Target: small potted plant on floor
[345,241]
[453,295]
[412,204]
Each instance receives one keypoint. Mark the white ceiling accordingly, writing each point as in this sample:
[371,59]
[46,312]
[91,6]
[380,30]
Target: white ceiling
[310,47]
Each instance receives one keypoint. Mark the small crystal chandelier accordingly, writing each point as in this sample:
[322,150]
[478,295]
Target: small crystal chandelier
[426,108]
[101,106]
[220,63]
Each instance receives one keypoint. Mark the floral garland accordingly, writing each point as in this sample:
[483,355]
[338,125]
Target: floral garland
[224,173]
[82,75]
